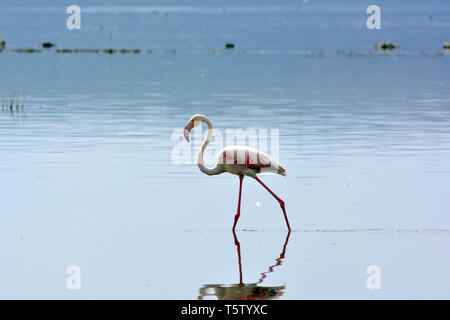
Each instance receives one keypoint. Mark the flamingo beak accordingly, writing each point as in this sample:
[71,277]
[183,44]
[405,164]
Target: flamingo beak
[187,130]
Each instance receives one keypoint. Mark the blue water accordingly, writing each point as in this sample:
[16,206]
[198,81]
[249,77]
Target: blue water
[87,178]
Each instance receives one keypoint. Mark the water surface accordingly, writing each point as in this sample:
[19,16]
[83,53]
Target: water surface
[87,178]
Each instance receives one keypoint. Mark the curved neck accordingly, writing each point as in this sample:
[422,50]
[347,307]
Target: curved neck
[217,168]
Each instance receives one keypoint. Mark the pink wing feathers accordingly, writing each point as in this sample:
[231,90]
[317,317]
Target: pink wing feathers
[250,158]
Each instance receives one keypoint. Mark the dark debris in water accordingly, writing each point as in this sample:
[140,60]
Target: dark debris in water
[64,50]
[2,44]
[86,51]
[446,45]
[385,46]
[124,51]
[27,50]
[109,51]
[382,48]
[47,45]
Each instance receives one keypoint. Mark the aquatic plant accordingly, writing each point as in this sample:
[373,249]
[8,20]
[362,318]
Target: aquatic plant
[2,44]
[14,105]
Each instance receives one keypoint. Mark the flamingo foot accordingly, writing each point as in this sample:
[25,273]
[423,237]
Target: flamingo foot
[285,215]
[281,202]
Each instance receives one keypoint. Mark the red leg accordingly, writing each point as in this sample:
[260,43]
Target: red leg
[279,200]
[238,248]
[236,217]
[279,260]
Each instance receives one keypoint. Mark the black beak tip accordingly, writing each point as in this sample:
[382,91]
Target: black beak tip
[186,135]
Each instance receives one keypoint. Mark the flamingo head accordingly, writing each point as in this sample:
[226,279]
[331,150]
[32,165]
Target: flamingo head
[193,122]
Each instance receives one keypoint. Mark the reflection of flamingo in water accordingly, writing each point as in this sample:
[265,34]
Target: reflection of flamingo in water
[238,160]
[242,291]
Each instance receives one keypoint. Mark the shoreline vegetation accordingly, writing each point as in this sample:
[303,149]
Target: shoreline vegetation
[380,49]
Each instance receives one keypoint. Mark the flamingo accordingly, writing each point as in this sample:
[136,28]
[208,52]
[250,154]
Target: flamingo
[238,160]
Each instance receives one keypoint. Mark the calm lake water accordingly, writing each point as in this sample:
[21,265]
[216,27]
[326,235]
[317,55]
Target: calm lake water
[86,170]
